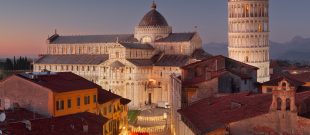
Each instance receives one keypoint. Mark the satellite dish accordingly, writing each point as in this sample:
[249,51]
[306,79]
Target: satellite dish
[2,117]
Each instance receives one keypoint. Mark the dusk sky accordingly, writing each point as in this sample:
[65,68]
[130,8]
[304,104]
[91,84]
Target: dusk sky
[26,24]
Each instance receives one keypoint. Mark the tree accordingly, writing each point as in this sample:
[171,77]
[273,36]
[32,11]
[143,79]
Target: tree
[8,65]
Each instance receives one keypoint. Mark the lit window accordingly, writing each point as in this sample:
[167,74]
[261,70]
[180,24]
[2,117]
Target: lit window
[60,105]
[117,54]
[146,39]
[87,100]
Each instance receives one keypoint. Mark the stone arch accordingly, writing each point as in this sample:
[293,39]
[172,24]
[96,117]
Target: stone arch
[288,104]
[279,103]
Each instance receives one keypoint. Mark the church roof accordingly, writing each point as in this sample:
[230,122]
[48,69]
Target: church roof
[153,18]
[79,39]
[127,40]
[174,60]
[141,62]
[73,59]
[177,37]
[137,46]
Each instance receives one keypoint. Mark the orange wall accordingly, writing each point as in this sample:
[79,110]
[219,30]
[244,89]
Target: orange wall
[73,96]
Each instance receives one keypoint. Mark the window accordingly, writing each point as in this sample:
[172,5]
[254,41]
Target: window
[69,103]
[117,54]
[95,98]
[110,108]
[87,100]
[105,110]
[60,105]
[146,39]
[246,59]
[78,102]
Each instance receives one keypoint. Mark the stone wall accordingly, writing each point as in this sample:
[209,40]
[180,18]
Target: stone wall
[16,90]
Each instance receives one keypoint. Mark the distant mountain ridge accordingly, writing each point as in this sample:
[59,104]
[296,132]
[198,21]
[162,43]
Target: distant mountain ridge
[298,49]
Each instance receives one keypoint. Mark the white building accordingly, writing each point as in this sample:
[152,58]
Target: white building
[248,34]
[136,66]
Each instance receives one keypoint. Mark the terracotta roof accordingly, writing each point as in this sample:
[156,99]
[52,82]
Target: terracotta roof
[80,39]
[291,79]
[303,77]
[207,115]
[212,113]
[60,82]
[125,101]
[73,59]
[19,114]
[64,125]
[177,37]
[137,46]
[106,96]
[176,60]
[228,61]
[200,54]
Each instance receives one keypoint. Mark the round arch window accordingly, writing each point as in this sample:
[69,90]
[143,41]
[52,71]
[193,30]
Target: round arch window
[146,39]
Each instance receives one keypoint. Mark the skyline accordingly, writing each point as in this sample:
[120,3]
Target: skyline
[25,26]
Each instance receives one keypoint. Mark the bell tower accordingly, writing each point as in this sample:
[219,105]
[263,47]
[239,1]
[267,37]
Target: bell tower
[283,97]
[248,34]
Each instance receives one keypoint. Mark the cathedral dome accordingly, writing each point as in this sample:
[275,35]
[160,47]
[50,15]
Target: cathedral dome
[153,18]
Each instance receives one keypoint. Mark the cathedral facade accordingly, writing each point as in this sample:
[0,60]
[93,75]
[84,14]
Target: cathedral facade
[248,34]
[136,66]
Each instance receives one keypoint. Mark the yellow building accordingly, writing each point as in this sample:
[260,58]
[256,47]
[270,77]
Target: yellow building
[61,94]
[114,108]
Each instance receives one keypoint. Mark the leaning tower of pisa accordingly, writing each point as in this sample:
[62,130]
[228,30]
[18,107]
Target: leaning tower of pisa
[248,34]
